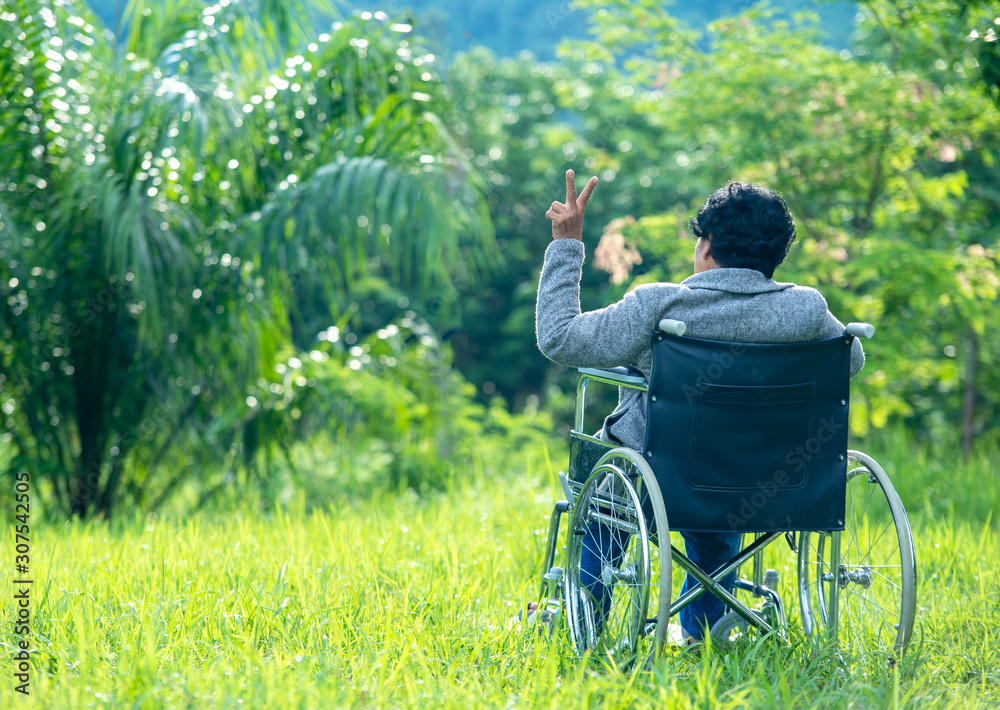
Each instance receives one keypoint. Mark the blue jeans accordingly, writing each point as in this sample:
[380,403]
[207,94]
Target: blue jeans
[707,550]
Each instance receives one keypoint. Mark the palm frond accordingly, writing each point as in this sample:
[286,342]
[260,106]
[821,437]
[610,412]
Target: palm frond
[354,209]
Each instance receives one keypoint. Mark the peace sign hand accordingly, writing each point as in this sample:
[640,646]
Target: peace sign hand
[567,218]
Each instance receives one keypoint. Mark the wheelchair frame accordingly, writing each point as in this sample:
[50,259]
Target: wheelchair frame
[830,580]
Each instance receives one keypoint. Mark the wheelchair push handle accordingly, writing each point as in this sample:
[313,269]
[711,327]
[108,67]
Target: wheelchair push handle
[674,327]
[857,330]
[860,330]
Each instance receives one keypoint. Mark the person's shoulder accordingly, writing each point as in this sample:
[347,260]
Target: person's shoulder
[657,290]
[657,286]
[806,294]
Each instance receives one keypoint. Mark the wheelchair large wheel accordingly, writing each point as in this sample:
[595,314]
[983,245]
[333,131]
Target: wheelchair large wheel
[612,546]
[859,584]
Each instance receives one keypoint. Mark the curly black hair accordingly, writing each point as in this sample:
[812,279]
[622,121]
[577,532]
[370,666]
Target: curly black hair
[750,225]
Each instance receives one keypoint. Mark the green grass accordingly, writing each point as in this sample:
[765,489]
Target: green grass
[405,602]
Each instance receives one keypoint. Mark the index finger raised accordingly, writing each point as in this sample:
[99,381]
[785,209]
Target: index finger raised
[570,187]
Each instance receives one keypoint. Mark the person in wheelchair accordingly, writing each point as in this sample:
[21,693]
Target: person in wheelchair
[744,231]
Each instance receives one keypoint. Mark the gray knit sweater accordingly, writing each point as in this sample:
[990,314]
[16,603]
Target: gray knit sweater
[738,305]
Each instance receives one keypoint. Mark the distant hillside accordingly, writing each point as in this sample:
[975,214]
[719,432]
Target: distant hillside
[538,25]
[509,26]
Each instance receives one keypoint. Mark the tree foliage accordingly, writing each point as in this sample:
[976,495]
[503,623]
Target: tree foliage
[176,201]
[537,25]
[889,167]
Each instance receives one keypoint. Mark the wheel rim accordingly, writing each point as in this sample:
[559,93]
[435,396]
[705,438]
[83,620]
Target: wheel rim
[875,573]
[636,623]
[609,514]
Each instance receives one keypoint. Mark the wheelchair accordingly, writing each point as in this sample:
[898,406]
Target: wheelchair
[740,437]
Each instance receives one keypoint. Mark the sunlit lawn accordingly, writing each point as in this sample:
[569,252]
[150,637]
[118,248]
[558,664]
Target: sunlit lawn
[406,602]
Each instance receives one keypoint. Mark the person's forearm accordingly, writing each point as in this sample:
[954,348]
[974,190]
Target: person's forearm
[607,337]
[558,296]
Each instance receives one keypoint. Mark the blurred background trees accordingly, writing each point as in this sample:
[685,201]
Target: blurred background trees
[183,204]
[507,28]
[241,241]
[890,172]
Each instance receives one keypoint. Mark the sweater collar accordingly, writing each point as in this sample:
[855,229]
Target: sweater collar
[735,281]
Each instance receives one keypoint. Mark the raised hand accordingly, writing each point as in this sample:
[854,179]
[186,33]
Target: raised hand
[567,218]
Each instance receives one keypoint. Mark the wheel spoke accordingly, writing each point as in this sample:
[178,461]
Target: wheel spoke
[880,537]
[611,531]
[888,581]
[875,576]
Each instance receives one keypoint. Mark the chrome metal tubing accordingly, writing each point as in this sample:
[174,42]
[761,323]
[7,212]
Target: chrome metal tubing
[804,584]
[760,590]
[581,393]
[758,566]
[581,401]
[616,506]
[832,615]
[608,499]
[710,584]
[614,522]
[553,543]
[759,544]
[616,383]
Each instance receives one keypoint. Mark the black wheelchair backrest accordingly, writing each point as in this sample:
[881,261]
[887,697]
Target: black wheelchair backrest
[749,437]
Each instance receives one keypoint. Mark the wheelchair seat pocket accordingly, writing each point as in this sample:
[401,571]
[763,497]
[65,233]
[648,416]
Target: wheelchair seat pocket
[735,414]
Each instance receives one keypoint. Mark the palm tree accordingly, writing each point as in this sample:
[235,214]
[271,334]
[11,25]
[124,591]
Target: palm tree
[166,194]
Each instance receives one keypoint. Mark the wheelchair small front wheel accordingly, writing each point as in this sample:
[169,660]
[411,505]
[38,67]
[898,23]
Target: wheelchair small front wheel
[617,582]
[732,629]
[859,584]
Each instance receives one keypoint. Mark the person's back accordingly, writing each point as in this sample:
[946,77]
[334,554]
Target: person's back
[744,232]
[730,297]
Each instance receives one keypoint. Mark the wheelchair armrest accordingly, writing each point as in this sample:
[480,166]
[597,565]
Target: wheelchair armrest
[620,375]
[860,330]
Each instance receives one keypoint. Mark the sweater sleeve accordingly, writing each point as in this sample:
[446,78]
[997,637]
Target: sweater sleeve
[608,337]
